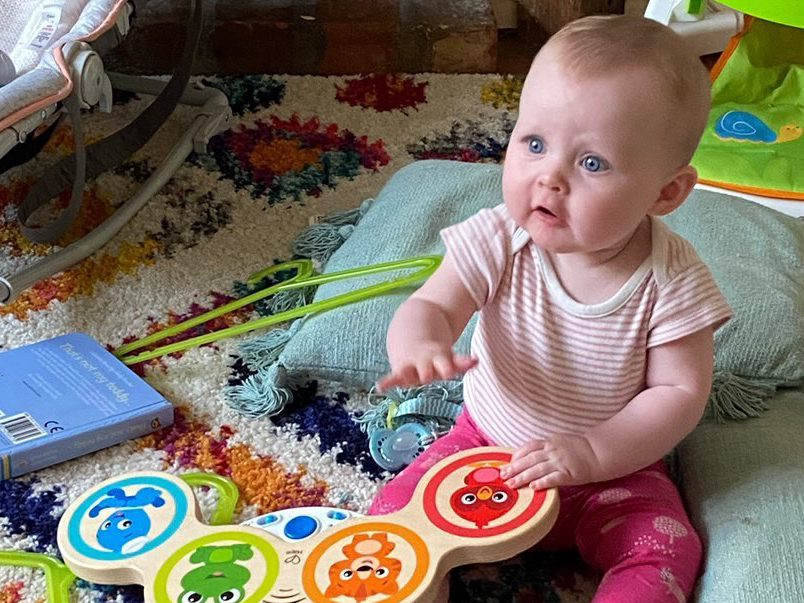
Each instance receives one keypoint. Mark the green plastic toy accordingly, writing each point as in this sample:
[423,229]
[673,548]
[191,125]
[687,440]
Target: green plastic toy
[305,277]
[228,494]
[786,12]
[58,577]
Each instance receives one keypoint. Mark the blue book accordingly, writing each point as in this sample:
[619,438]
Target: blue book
[69,396]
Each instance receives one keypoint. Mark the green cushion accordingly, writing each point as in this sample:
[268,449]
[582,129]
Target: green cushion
[755,254]
[744,489]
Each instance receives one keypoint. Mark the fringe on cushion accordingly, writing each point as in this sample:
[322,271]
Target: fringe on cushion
[270,388]
[282,301]
[265,393]
[319,241]
[261,352]
[737,398]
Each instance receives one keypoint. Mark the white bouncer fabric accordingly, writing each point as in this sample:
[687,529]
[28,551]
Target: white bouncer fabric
[33,36]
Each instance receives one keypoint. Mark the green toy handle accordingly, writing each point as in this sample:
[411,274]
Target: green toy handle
[58,576]
[228,494]
[305,277]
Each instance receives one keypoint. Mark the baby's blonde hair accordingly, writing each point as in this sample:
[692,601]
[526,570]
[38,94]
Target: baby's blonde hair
[594,46]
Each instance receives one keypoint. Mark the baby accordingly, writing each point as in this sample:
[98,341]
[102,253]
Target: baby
[593,351]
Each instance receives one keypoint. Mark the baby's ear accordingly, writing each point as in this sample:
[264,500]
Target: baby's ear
[675,191]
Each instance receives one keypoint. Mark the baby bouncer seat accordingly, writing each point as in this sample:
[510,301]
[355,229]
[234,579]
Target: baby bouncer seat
[51,67]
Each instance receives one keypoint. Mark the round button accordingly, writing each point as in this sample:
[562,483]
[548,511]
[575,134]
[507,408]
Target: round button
[337,515]
[267,519]
[301,527]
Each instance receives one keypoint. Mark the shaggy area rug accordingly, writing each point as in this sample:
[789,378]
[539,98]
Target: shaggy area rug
[300,147]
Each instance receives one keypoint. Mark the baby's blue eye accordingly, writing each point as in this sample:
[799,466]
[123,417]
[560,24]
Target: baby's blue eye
[593,163]
[536,145]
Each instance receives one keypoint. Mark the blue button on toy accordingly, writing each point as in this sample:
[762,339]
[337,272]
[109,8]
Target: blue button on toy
[337,515]
[267,519]
[301,527]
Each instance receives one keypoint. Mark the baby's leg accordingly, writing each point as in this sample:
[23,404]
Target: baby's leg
[636,529]
[398,492]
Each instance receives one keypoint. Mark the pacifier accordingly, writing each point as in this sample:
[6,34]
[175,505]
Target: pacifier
[392,449]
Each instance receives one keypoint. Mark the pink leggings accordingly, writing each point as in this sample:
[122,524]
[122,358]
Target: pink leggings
[633,528]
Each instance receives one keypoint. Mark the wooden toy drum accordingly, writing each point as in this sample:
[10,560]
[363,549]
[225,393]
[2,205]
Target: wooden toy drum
[145,528]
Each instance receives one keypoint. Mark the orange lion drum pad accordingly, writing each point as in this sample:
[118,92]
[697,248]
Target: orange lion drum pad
[145,528]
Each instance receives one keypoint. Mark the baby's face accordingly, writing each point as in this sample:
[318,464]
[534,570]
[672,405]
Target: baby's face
[588,156]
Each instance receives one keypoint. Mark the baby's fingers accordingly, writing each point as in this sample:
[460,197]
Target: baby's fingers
[448,366]
[426,371]
[527,449]
[464,363]
[522,459]
[385,383]
[404,377]
[530,473]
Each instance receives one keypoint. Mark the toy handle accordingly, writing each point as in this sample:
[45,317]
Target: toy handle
[228,494]
[58,577]
[425,266]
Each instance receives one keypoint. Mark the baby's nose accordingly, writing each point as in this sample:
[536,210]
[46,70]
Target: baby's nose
[553,179]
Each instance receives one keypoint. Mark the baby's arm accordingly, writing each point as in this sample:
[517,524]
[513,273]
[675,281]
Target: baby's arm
[678,380]
[424,329]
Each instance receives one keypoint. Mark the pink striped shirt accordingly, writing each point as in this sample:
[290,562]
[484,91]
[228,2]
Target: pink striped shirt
[549,364]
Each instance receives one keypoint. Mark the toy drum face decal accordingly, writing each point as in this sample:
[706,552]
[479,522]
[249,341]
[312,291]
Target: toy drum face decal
[127,518]
[223,567]
[484,498]
[469,498]
[364,563]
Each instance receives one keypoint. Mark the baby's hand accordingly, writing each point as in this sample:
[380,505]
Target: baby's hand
[563,459]
[426,368]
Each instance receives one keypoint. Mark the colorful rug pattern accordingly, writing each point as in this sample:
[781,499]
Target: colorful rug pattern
[300,147]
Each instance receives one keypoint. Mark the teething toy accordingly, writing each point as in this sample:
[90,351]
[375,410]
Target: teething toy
[392,449]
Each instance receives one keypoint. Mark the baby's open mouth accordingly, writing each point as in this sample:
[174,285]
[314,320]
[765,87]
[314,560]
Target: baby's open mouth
[545,211]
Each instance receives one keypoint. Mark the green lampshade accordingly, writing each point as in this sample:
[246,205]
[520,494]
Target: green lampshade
[786,12]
